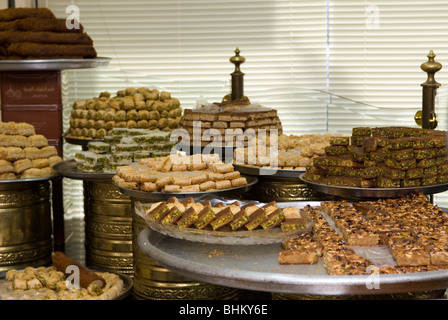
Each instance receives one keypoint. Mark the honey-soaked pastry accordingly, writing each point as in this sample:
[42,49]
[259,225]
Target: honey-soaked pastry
[8,176]
[32,173]
[123,183]
[6,166]
[22,165]
[171,188]
[238,182]
[190,188]
[3,153]
[223,184]
[15,153]
[32,153]
[40,163]
[48,151]
[38,140]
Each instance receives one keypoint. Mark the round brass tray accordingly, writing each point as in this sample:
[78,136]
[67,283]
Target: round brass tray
[161,196]
[52,64]
[268,172]
[20,181]
[69,169]
[341,191]
[257,268]
[127,281]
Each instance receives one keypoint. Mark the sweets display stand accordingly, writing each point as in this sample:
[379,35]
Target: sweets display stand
[69,169]
[151,280]
[257,268]
[31,91]
[25,222]
[80,142]
[112,228]
[107,217]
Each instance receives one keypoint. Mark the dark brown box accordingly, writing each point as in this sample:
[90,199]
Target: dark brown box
[30,88]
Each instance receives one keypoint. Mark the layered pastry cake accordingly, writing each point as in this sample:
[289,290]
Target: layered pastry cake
[227,123]
[123,147]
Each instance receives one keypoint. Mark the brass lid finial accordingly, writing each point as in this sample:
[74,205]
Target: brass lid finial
[431,67]
[237,60]
[237,79]
[427,117]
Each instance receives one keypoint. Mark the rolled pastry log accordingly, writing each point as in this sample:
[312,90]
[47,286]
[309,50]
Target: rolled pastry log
[87,277]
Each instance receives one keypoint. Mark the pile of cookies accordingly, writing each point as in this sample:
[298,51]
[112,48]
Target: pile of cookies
[385,157]
[289,152]
[179,173]
[25,154]
[227,123]
[131,108]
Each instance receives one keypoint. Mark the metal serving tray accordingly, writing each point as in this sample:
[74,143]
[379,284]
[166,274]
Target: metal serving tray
[161,196]
[257,268]
[268,172]
[350,192]
[69,169]
[52,64]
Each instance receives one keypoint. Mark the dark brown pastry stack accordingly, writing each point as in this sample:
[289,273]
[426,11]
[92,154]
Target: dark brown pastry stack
[386,157]
[228,123]
[35,33]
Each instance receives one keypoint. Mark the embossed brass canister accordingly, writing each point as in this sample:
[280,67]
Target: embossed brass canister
[25,223]
[281,189]
[108,223]
[153,282]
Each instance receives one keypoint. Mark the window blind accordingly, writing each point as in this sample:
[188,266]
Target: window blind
[376,49]
[366,53]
